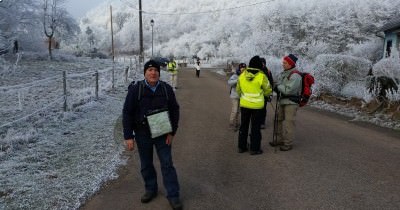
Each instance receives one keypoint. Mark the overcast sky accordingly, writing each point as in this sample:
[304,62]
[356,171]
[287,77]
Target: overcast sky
[78,8]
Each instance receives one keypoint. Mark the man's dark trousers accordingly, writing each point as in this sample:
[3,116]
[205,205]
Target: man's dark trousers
[145,147]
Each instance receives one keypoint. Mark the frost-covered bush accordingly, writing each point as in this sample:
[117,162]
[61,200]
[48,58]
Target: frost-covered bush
[389,67]
[356,89]
[371,50]
[333,72]
[316,48]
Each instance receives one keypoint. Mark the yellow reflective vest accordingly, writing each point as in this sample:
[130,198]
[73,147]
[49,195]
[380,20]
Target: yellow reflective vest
[172,67]
[252,89]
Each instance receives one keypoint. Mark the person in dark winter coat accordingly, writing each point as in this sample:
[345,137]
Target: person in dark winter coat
[197,69]
[15,48]
[268,73]
[143,98]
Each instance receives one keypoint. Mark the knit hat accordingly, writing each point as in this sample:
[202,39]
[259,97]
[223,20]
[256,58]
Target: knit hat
[255,62]
[242,65]
[291,59]
[151,63]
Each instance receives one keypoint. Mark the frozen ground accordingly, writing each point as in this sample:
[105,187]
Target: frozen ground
[52,159]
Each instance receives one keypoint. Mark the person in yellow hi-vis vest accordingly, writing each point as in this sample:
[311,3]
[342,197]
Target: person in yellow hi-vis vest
[173,72]
[252,87]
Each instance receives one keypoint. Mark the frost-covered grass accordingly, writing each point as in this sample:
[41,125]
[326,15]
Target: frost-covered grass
[379,119]
[52,159]
[61,160]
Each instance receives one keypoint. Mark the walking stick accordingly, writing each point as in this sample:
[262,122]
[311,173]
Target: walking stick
[274,133]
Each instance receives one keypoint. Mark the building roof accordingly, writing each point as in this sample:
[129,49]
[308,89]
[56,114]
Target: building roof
[392,24]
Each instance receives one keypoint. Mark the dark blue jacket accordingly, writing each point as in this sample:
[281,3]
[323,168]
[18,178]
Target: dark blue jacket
[135,109]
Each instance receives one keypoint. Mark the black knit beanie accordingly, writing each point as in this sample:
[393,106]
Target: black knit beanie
[151,63]
[255,62]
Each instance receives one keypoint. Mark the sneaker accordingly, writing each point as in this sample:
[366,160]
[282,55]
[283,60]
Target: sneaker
[286,147]
[274,144]
[148,196]
[258,152]
[176,204]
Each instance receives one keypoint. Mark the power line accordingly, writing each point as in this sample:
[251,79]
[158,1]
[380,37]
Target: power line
[204,12]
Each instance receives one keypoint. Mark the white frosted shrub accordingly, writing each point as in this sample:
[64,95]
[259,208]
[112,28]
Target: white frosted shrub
[317,48]
[371,50]
[356,89]
[389,67]
[333,72]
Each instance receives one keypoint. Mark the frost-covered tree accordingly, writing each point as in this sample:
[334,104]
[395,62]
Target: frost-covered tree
[239,29]
[57,21]
[50,22]
[90,37]
[19,20]
[67,27]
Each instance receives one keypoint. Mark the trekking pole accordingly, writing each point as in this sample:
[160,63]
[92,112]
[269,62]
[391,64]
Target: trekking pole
[274,133]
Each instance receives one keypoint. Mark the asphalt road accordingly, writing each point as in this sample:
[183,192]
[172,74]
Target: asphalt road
[335,163]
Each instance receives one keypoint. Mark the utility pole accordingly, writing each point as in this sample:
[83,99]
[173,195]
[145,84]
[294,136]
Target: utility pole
[112,35]
[112,49]
[152,24]
[141,56]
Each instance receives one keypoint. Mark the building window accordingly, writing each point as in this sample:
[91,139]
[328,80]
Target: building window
[388,48]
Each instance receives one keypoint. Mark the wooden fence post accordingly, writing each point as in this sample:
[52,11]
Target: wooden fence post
[97,85]
[126,73]
[113,76]
[19,100]
[65,90]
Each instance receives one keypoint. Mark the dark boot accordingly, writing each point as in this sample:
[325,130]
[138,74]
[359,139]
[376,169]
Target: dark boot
[259,152]
[175,203]
[148,196]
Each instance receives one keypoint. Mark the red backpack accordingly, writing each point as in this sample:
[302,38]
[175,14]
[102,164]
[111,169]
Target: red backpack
[307,80]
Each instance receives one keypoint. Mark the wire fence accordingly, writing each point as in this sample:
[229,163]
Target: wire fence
[66,92]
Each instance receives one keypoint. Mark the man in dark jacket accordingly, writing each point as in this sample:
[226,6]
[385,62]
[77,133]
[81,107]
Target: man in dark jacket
[268,73]
[145,97]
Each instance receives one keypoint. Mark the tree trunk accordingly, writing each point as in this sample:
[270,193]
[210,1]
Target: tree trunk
[49,47]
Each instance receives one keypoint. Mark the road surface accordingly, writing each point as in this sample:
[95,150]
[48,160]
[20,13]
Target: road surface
[335,163]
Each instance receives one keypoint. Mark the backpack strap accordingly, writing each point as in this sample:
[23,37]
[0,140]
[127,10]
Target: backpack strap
[165,89]
[293,72]
[141,87]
